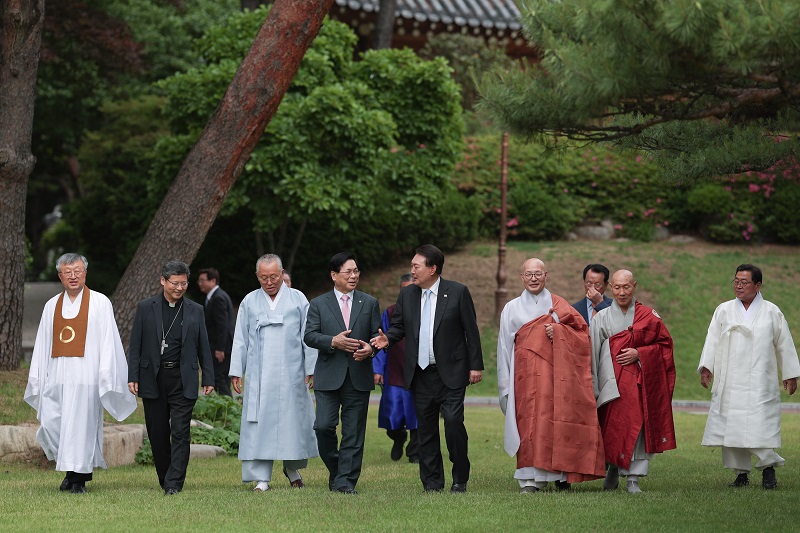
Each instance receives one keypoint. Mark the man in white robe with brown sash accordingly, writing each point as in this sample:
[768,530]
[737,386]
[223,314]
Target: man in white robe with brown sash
[78,368]
[748,341]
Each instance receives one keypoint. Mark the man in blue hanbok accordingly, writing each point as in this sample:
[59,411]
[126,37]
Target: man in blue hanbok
[269,352]
[396,412]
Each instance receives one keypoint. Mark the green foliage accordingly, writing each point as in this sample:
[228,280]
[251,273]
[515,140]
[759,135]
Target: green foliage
[219,410]
[469,58]
[782,217]
[167,30]
[648,75]
[552,191]
[145,454]
[222,437]
[351,140]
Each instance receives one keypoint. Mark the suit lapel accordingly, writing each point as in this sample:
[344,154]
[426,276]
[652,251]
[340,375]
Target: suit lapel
[159,321]
[441,303]
[185,323]
[355,308]
[336,310]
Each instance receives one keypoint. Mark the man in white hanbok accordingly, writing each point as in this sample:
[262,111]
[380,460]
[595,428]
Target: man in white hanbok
[748,341]
[77,369]
[268,347]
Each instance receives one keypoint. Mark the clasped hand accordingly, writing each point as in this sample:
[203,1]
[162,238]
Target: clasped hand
[628,356]
[360,349]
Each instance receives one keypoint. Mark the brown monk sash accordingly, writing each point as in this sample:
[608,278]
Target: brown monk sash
[69,334]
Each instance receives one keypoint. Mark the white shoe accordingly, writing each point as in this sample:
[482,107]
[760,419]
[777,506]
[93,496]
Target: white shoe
[261,486]
[612,478]
[633,487]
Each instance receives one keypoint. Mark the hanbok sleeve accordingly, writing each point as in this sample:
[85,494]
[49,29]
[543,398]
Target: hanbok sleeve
[113,368]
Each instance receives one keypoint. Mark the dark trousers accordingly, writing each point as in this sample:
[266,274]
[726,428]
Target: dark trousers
[168,420]
[77,477]
[222,382]
[432,396]
[343,462]
[412,449]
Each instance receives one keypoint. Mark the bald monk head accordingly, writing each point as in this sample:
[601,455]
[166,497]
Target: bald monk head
[623,287]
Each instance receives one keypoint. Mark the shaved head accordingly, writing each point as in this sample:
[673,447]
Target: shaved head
[623,287]
[533,275]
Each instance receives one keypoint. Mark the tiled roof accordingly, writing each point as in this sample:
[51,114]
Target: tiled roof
[499,14]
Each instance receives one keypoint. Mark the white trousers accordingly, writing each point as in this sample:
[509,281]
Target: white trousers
[261,470]
[739,459]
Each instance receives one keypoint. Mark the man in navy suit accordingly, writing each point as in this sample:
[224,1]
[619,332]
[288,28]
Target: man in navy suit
[443,355]
[595,281]
[339,325]
[168,345]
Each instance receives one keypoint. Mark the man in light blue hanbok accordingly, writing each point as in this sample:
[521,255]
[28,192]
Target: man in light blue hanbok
[268,347]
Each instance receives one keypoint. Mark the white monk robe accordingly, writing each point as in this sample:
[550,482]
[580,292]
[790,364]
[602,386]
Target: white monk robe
[517,313]
[744,350]
[69,393]
[269,353]
[605,324]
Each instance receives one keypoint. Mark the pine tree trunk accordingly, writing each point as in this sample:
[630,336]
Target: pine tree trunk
[20,40]
[384,25]
[215,162]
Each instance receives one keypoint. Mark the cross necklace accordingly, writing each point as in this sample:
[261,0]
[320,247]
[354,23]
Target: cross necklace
[164,337]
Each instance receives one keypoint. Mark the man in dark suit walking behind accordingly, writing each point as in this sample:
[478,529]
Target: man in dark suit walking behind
[339,325]
[443,356]
[168,345]
[220,325]
[595,281]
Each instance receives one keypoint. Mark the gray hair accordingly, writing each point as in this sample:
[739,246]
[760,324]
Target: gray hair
[174,268]
[68,259]
[406,277]
[269,258]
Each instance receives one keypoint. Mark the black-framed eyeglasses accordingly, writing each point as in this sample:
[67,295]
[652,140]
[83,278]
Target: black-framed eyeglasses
[740,283]
[530,275]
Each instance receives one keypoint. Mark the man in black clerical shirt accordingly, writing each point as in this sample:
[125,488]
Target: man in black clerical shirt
[168,344]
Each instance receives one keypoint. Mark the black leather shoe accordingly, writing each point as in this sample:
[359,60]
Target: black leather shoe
[346,490]
[433,489]
[768,479]
[458,487]
[740,481]
[77,488]
[64,485]
[413,459]
[171,491]
[563,485]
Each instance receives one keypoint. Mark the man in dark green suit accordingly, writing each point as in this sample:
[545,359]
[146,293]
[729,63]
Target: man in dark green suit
[339,325]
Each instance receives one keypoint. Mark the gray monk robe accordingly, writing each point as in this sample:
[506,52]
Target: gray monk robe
[269,352]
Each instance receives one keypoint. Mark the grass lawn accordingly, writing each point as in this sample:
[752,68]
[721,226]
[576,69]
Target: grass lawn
[686,491]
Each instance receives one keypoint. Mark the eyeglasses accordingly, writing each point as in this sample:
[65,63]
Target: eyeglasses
[69,274]
[348,273]
[740,283]
[530,275]
[597,286]
[272,279]
[181,284]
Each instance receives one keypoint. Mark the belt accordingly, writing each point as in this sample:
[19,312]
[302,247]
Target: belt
[170,364]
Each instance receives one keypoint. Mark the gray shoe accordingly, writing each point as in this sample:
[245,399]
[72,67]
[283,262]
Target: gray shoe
[633,487]
[612,478]
[528,490]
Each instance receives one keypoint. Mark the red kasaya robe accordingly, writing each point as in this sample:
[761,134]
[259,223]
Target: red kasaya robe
[645,390]
[556,409]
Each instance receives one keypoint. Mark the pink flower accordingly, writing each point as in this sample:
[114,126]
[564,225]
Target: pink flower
[638,159]
[754,187]
[636,180]
[394,149]
[658,200]
[422,146]
[617,226]
[566,190]
[594,184]
[630,213]
[731,216]
[666,222]
[513,223]
[746,235]
[727,187]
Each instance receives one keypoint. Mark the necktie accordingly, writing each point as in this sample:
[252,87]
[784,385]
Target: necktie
[345,310]
[425,332]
